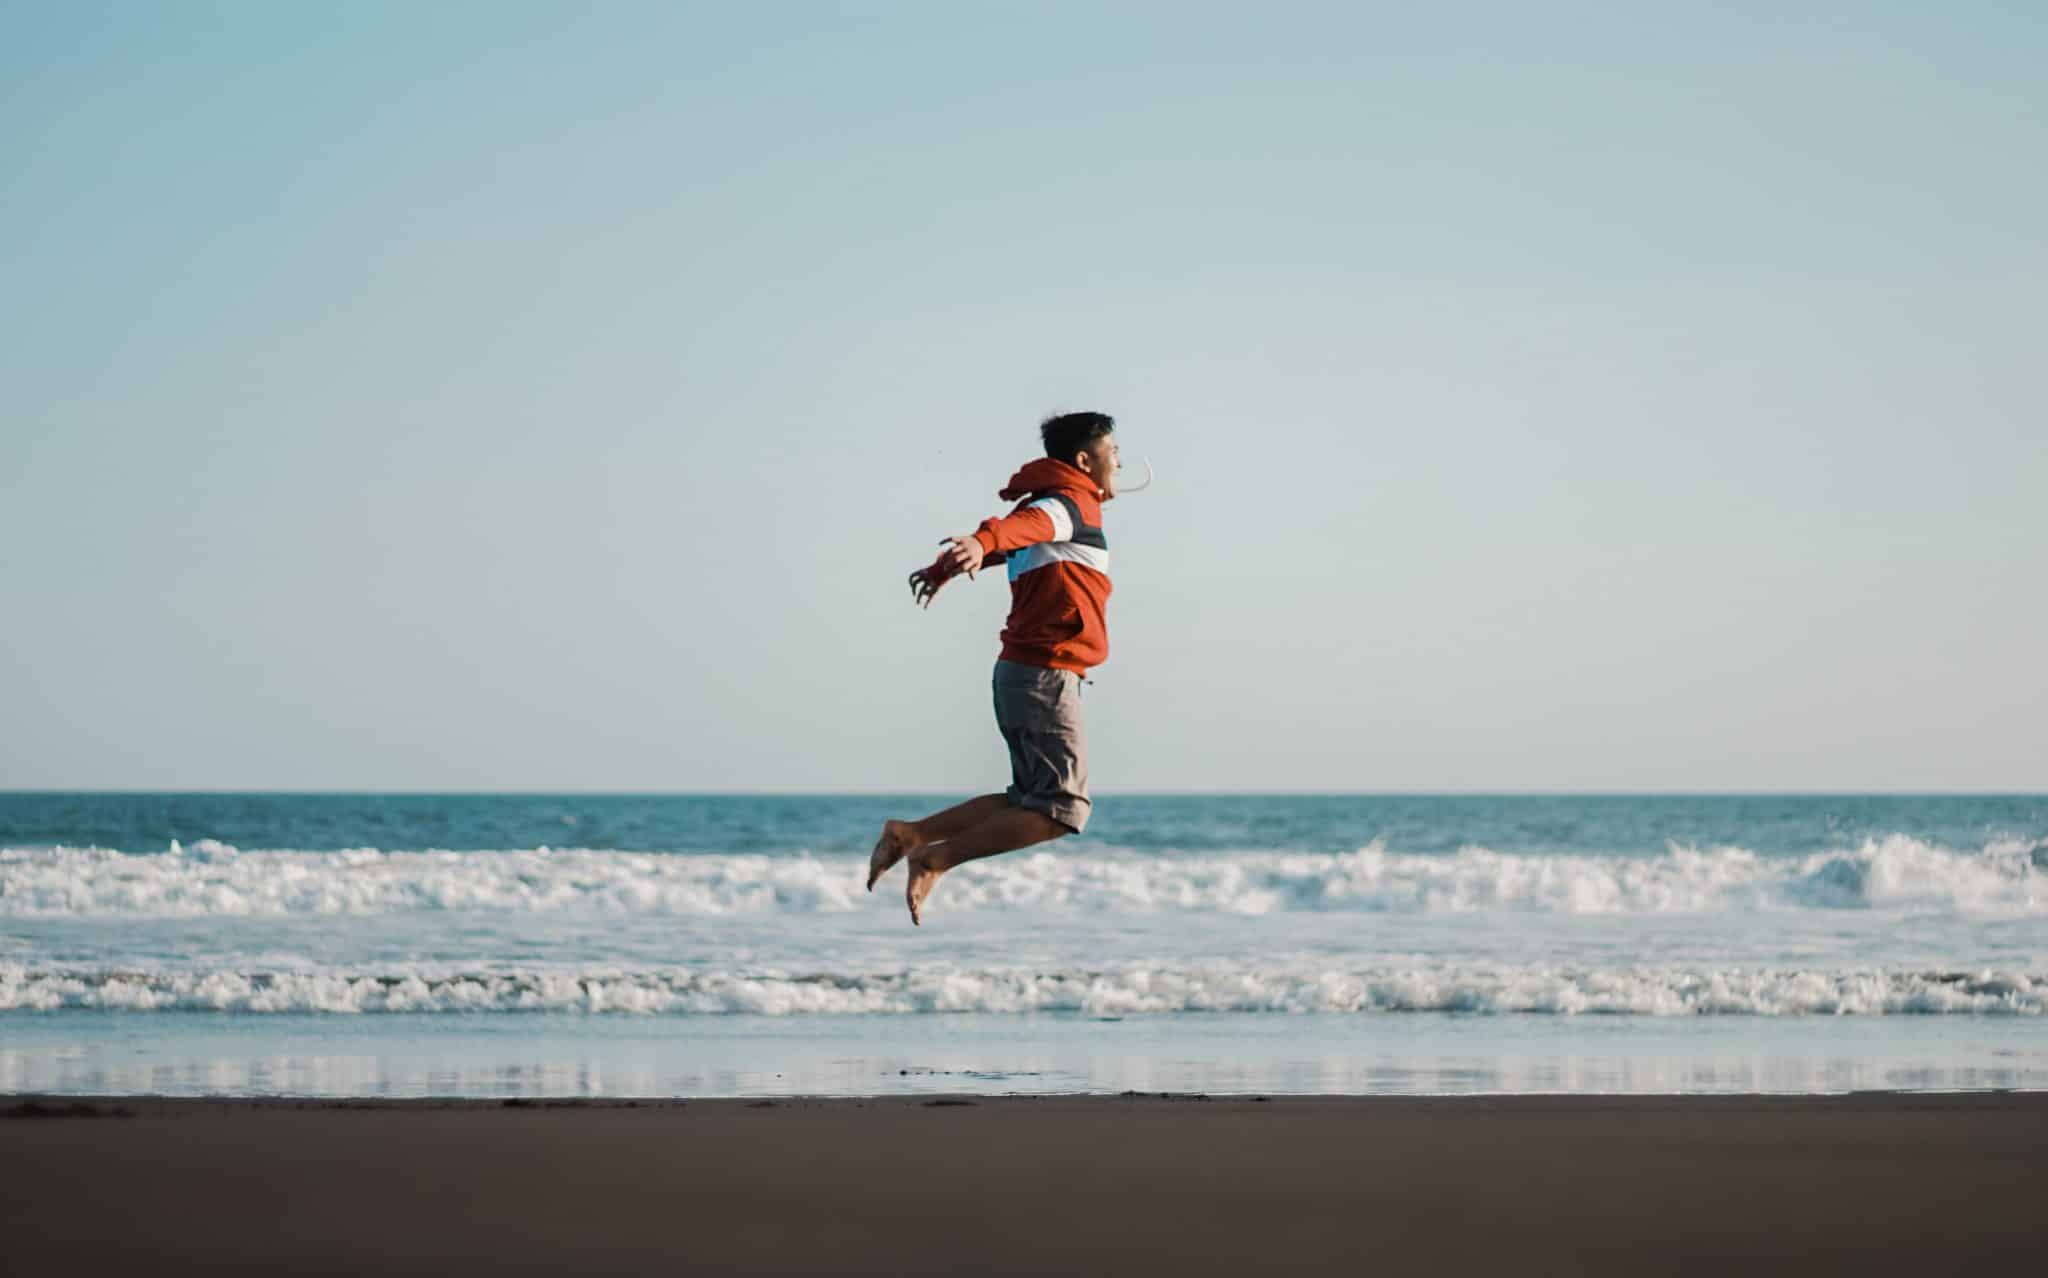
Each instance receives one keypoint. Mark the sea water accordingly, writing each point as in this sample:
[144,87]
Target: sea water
[723,945]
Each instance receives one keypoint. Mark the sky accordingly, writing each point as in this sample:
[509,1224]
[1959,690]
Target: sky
[501,396]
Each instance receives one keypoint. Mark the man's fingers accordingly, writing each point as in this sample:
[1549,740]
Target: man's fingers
[924,585]
[964,555]
[959,556]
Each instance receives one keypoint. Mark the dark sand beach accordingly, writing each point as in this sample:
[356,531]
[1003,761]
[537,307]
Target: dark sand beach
[1905,1184]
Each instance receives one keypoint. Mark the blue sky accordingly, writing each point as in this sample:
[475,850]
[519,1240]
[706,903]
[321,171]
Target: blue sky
[498,396]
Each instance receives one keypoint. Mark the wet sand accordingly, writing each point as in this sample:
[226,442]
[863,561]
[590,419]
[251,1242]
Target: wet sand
[1891,1184]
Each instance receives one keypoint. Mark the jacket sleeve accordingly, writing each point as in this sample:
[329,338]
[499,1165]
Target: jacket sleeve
[1044,519]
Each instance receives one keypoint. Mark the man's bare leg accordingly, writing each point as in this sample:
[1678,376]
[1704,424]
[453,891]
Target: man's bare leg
[900,838]
[1005,831]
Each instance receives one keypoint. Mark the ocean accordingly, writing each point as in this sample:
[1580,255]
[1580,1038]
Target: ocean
[573,945]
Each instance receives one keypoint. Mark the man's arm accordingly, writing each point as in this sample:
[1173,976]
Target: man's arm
[1047,519]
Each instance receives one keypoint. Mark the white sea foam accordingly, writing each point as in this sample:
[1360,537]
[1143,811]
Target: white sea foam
[1133,989]
[213,879]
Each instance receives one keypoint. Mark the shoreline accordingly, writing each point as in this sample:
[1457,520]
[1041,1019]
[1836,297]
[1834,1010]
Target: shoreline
[1874,1182]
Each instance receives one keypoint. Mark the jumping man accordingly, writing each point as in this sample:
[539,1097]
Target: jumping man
[1058,562]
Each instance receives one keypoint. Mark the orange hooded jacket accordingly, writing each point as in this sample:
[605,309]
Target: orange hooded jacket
[1058,562]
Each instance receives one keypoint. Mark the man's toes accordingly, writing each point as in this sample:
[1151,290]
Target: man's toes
[917,888]
[888,851]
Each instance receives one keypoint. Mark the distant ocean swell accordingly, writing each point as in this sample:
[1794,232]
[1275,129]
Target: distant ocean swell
[1121,991]
[211,879]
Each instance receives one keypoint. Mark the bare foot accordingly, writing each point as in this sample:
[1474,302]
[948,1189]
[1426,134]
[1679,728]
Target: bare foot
[899,839]
[926,865]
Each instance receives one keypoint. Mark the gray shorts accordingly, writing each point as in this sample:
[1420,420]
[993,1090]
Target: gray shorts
[1039,712]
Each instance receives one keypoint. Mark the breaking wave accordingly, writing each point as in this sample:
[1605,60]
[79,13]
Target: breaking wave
[214,879]
[1115,991]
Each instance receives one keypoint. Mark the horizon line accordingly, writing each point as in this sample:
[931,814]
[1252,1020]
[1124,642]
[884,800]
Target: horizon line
[298,792]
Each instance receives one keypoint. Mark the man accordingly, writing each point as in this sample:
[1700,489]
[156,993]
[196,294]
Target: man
[1058,563]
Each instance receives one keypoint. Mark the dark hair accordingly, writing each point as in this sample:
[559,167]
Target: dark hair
[1069,433]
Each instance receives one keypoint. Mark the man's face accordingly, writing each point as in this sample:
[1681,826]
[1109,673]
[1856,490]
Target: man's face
[1101,460]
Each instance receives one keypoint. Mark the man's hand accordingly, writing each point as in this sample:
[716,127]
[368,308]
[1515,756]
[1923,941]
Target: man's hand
[961,554]
[925,583]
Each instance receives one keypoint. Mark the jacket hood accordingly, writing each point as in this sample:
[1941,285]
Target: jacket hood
[1048,474]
